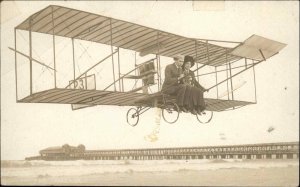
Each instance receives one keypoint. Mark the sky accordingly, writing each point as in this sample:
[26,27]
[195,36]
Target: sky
[27,128]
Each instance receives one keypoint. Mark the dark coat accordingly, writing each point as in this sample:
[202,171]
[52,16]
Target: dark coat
[171,76]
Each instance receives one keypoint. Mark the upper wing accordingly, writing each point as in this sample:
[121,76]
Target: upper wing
[87,26]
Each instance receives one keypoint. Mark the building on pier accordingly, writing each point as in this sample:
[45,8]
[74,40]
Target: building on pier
[65,152]
[281,150]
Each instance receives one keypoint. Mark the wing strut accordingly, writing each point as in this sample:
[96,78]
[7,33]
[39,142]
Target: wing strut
[209,62]
[91,68]
[254,64]
[262,54]
[235,74]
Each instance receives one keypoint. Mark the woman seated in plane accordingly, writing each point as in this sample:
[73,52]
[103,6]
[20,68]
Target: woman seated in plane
[193,97]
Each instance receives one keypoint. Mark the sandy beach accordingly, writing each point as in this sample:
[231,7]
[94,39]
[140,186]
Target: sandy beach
[287,175]
[225,177]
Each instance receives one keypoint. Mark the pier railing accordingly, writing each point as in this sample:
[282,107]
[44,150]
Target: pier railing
[283,150]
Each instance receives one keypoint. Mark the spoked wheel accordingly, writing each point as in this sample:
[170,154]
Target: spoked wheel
[133,117]
[205,116]
[170,112]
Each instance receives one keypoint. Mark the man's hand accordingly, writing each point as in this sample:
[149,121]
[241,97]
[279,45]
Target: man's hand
[181,76]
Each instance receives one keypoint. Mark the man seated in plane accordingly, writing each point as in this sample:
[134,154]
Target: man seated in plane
[172,84]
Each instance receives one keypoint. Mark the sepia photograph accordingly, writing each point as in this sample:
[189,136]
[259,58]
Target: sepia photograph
[160,93]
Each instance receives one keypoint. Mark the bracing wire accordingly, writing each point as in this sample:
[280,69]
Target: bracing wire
[39,58]
[85,50]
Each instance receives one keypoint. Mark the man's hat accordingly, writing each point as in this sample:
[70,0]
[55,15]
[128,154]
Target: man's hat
[178,57]
[188,59]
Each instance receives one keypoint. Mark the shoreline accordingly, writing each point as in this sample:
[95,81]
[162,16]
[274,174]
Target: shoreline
[269,176]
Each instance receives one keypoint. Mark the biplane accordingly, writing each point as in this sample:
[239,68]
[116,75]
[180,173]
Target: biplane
[82,90]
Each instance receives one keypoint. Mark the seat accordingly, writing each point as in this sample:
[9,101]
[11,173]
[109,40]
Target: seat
[146,72]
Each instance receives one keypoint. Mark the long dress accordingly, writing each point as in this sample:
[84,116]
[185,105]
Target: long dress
[193,97]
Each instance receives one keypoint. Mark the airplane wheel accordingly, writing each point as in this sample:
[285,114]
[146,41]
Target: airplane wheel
[205,117]
[133,117]
[170,112]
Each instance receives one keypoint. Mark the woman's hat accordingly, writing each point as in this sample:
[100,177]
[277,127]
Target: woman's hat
[188,59]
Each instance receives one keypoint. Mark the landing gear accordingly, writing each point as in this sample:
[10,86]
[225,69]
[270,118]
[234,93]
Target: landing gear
[133,116]
[170,112]
[205,117]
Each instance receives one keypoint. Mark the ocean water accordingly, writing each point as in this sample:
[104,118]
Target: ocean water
[17,172]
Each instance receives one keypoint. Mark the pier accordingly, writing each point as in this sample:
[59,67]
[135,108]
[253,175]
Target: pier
[281,150]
